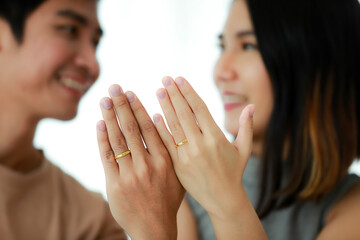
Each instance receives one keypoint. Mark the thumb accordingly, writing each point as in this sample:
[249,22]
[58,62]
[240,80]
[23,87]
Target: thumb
[244,138]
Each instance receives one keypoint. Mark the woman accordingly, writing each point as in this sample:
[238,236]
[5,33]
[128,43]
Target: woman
[295,61]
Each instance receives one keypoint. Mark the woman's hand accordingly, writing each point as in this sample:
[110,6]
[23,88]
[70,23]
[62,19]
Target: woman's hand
[208,165]
[142,188]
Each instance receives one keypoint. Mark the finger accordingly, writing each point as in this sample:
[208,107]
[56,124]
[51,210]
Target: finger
[106,153]
[244,139]
[182,109]
[128,123]
[170,116]
[115,136]
[202,114]
[148,131]
[165,136]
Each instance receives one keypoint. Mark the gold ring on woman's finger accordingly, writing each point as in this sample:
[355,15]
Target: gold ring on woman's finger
[182,142]
[123,154]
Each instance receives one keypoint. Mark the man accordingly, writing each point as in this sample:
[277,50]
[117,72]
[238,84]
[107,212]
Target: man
[47,63]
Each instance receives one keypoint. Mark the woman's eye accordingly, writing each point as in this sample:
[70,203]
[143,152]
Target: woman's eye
[249,47]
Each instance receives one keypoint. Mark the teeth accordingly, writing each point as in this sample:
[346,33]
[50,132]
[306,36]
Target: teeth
[68,82]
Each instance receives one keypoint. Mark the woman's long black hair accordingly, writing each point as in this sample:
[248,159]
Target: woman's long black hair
[311,50]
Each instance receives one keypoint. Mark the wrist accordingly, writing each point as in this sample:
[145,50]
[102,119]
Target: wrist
[228,207]
[238,220]
[155,231]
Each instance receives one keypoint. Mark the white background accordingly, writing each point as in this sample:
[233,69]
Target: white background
[143,41]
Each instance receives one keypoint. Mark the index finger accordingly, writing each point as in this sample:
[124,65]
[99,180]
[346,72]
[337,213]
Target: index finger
[128,122]
[182,110]
[199,108]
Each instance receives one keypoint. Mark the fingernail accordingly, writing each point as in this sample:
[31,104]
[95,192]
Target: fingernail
[251,112]
[247,112]
[130,96]
[179,81]
[167,81]
[156,118]
[101,126]
[106,103]
[161,93]
[115,90]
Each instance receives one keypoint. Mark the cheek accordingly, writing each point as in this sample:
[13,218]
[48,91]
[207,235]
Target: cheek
[264,101]
[260,93]
[55,53]
[216,71]
[46,59]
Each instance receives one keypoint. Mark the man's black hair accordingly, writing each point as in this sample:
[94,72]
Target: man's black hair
[15,12]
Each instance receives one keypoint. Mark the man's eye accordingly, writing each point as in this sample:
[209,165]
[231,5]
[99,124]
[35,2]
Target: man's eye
[221,46]
[249,47]
[96,42]
[68,29]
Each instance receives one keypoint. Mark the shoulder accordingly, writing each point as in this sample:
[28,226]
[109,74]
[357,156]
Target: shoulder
[348,204]
[72,190]
[88,210]
[342,220]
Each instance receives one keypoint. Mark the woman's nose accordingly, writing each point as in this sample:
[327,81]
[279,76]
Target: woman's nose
[224,68]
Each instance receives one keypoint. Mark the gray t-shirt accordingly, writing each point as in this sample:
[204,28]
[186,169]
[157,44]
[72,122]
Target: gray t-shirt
[298,221]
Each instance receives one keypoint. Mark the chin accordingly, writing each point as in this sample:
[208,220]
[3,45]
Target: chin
[232,127]
[67,118]
[65,115]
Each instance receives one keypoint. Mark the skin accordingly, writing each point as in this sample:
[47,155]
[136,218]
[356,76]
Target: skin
[244,71]
[240,75]
[60,39]
[241,69]
[142,187]
[134,183]
[208,166]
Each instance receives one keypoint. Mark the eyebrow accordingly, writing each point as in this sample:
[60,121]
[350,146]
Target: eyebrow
[76,17]
[239,34]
